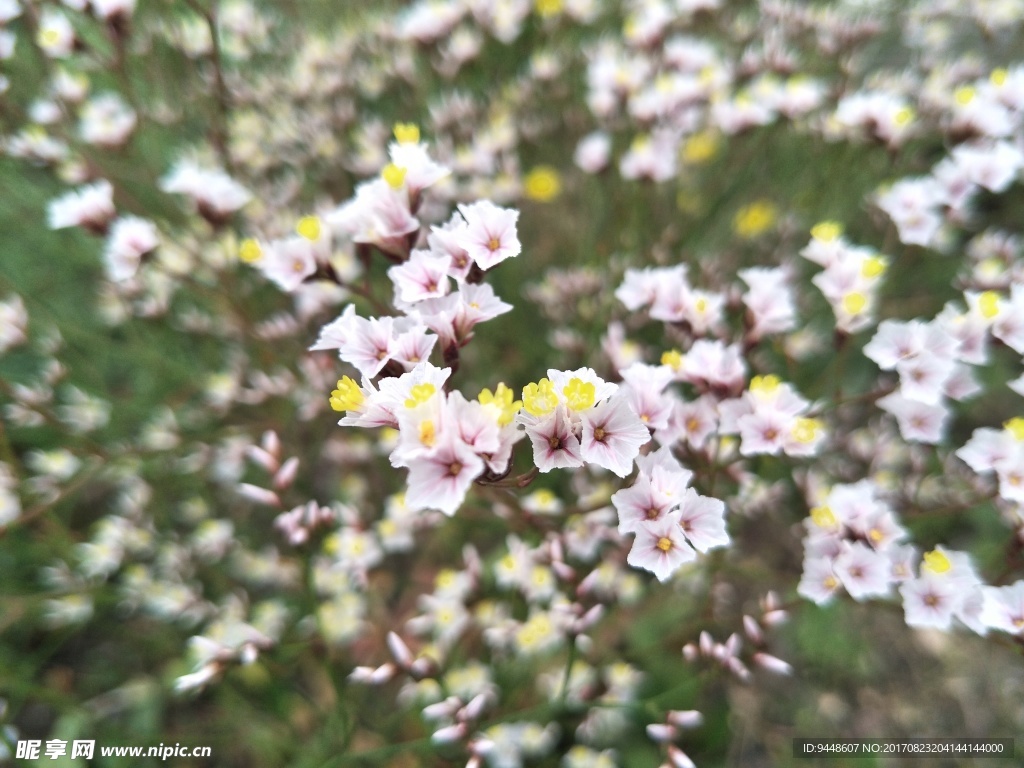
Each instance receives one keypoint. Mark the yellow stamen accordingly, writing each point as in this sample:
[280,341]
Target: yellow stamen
[854,303]
[824,517]
[394,176]
[806,430]
[407,133]
[988,304]
[501,399]
[309,228]
[419,394]
[250,251]
[874,266]
[827,231]
[964,95]
[673,359]
[579,394]
[664,544]
[348,396]
[936,562]
[547,8]
[540,399]
[1015,427]
[765,385]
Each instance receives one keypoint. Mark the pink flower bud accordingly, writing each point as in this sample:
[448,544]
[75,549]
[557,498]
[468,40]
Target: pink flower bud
[685,718]
[753,630]
[261,457]
[400,650]
[286,475]
[738,668]
[442,710]
[563,571]
[707,643]
[476,707]
[259,495]
[449,734]
[271,443]
[679,758]
[661,733]
[772,664]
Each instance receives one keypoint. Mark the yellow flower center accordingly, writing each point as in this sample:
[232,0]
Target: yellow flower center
[428,434]
[998,76]
[664,544]
[873,266]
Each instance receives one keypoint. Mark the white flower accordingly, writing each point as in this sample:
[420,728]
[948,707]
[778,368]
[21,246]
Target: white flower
[554,444]
[919,422]
[490,235]
[660,547]
[91,207]
[702,520]
[442,479]
[612,436]
[106,120]
[130,239]
[423,276]
[1004,608]
[863,571]
[215,193]
[56,36]
[593,152]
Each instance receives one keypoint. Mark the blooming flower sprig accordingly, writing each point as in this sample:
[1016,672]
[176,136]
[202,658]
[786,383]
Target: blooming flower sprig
[999,451]
[851,278]
[771,417]
[854,540]
[670,522]
[575,417]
